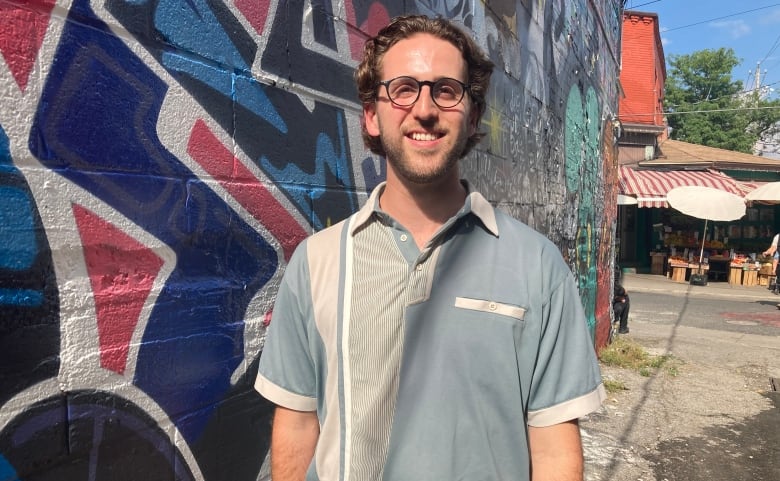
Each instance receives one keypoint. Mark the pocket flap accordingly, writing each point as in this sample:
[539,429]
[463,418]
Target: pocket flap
[490,306]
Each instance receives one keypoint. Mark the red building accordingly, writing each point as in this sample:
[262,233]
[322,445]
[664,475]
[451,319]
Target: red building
[651,164]
[642,77]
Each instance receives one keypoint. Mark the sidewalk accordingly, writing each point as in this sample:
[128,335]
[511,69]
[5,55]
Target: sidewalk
[659,283]
[712,417]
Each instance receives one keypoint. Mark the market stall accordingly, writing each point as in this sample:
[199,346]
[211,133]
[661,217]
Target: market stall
[708,204]
[744,270]
[680,269]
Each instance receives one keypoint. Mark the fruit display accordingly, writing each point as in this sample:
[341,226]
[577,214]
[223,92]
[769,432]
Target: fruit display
[743,261]
[687,239]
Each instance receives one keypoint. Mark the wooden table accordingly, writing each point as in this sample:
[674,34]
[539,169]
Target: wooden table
[735,275]
[766,276]
[678,272]
[750,277]
[741,274]
[657,262]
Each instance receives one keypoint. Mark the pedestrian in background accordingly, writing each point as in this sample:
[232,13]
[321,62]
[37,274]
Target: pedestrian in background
[429,336]
[772,251]
[621,303]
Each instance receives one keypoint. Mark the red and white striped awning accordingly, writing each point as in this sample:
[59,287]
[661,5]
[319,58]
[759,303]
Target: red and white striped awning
[650,186]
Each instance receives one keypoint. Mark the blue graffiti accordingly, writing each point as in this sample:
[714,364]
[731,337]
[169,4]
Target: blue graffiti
[198,30]
[18,242]
[253,99]
[7,472]
[17,249]
[370,174]
[96,126]
[21,297]
[220,79]
[29,300]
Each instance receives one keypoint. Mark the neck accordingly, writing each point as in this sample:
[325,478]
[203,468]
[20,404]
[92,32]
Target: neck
[422,208]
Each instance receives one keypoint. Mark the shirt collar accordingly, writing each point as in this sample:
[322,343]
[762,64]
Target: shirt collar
[475,204]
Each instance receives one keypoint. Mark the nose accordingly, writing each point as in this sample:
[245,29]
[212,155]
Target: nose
[425,107]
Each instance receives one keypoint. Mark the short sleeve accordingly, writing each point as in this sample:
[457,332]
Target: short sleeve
[287,372]
[567,380]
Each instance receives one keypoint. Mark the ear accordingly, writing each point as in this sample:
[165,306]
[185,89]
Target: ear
[370,119]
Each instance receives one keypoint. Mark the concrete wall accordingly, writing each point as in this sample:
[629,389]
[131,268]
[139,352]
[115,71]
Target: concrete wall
[160,160]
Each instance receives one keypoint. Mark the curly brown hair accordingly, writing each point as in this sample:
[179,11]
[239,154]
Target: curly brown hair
[367,78]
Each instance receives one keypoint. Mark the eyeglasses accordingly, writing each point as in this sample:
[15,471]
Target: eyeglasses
[445,92]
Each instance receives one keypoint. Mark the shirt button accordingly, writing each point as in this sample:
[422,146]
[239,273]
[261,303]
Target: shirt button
[404,237]
[492,306]
[419,267]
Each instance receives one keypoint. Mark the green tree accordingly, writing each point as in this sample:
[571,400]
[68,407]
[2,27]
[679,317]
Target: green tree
[726,116]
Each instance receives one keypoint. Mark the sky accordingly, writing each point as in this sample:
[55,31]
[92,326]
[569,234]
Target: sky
[750,27]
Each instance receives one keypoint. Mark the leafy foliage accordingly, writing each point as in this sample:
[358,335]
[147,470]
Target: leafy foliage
[726,115]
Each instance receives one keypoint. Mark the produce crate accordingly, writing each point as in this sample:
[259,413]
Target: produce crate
[735,275]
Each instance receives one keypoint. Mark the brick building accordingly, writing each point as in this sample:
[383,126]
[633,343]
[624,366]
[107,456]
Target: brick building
[642,77]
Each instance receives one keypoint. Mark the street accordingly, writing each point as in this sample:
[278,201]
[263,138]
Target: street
[739,315]
[716,416]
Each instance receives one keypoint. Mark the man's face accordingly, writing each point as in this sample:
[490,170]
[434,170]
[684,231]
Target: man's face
[423,142]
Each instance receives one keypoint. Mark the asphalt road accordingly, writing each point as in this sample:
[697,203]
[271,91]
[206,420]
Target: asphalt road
[715,416]
[739,315]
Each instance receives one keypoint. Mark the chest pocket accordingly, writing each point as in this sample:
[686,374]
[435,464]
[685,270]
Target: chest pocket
[491,307]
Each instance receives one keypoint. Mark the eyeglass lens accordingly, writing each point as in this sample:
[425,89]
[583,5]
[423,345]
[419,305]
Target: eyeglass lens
[404,91]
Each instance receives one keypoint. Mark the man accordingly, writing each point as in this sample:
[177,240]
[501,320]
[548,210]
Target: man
[429,336]
[772,251]
[621,303]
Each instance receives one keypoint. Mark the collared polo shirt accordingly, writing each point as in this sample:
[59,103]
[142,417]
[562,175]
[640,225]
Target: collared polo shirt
[429,364]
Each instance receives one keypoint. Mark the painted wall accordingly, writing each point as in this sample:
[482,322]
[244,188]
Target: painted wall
[160,160]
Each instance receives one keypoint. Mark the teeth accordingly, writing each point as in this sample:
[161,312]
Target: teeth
[423,136]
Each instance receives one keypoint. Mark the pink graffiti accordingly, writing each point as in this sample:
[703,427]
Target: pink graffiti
[220,163]
[22,35]
[771,318]
[255,11]
[121,271]
[376,19]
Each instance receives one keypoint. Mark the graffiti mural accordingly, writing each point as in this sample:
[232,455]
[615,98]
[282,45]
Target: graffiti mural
[160,160]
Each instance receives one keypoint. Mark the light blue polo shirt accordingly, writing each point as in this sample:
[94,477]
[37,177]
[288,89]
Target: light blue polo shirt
[429,364]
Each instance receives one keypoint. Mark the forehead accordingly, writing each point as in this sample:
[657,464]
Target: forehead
[423,55]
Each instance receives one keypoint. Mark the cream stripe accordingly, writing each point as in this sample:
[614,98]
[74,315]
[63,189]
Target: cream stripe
[346,313]
[490,306]
[324,275]
[571,409]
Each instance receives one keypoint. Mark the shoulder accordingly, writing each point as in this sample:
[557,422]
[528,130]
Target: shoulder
[512,231]
[327,240]
[318,252]
[529,250]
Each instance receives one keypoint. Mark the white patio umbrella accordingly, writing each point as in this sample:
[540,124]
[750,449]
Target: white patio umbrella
[626,200]
[708,204]
[769,192]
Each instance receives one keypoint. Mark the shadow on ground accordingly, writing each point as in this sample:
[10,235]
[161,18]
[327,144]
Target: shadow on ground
[748,451]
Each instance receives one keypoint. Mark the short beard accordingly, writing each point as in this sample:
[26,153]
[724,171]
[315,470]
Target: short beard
[405,168]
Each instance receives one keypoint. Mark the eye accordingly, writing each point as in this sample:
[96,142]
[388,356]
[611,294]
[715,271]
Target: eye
[403,88]
[448,89]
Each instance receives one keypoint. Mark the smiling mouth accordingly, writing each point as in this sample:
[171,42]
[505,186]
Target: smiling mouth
[423,136]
